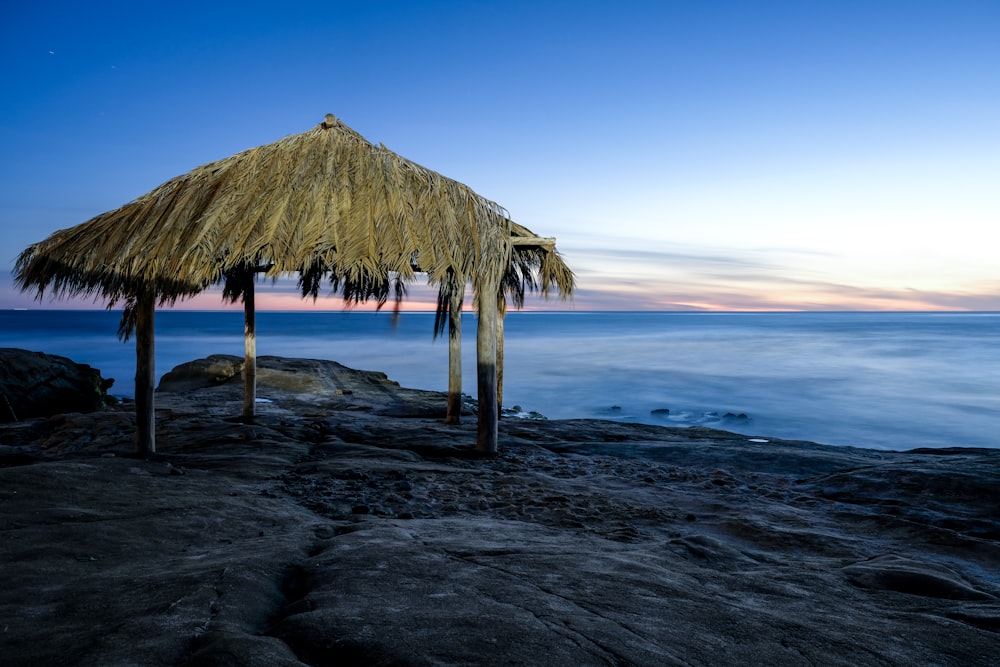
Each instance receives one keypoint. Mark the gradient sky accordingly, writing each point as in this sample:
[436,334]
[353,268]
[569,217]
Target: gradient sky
[686,155]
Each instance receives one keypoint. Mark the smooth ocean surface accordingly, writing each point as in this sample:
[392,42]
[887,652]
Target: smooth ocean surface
[880,380]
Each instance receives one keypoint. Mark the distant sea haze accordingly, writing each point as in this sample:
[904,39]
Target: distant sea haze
[876,380]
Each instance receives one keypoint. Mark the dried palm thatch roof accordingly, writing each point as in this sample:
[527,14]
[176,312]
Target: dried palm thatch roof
[324,202]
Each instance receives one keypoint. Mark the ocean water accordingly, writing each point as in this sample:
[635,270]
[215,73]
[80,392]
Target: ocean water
[879,380]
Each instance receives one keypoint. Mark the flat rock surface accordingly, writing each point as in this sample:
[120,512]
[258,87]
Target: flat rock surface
[348,525]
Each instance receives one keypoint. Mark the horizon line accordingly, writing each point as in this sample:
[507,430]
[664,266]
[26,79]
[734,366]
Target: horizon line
[390,312]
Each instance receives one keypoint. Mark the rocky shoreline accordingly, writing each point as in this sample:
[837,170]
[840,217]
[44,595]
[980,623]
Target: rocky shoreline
[348,525]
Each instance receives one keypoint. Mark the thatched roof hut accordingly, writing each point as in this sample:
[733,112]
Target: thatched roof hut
[324,203]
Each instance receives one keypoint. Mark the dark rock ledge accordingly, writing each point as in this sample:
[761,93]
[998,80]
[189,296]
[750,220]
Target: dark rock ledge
[349,526]
[33,384]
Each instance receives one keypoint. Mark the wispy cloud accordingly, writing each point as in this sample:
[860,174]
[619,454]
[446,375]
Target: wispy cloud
[682,278]
[760,279]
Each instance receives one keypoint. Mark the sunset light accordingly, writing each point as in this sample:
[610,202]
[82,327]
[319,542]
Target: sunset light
[825,159]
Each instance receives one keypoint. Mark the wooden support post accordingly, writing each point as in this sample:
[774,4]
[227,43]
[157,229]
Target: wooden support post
[454,414]
[500,319]
[249,347]
[486,366]
[145,375]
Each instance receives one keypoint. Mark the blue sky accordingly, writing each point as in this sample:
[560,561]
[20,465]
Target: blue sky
[686,155]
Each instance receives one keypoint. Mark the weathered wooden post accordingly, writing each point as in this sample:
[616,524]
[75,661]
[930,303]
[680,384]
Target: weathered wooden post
[501,314]
[486,365]
[145,374]
[249,346]
[454,413]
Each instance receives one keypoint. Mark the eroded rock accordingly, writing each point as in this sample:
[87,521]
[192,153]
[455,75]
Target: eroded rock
[34,384]
[331,530]
[913,576]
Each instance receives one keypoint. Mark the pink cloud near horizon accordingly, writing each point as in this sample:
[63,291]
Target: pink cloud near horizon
[627,280]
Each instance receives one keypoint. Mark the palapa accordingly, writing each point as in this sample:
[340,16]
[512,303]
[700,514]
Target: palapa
[325,203]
